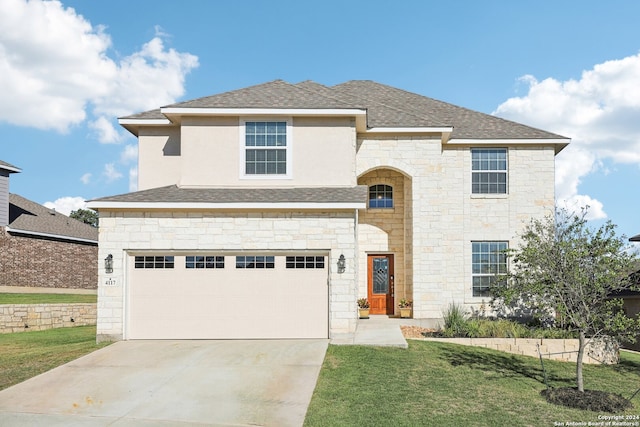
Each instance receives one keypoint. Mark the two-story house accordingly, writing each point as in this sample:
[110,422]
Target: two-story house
[266,212]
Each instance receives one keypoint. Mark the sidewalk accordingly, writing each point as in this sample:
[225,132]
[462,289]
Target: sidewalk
[377,330]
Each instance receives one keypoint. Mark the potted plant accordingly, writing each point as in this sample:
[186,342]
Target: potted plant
[405,307]
[363,308]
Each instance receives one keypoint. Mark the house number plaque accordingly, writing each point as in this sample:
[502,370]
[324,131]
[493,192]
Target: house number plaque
[110,282]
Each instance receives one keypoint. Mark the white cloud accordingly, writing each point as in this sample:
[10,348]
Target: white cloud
[129,154]
[599,112]
[111,173]
[65,205]
[86,178]
[56,71]
[105,130]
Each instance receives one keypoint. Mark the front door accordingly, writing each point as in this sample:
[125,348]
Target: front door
[380,284]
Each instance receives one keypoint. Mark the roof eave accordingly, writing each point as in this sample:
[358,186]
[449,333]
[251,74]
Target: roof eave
[133,125]
[50,235]
[558,143]
[97,205]
[11,169]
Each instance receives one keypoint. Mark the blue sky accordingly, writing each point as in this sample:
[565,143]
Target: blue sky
[68,69]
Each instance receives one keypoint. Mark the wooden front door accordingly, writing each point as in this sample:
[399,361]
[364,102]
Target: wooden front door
[380,284]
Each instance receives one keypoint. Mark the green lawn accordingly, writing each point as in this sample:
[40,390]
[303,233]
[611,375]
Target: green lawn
[438,384]
[7,298]
[26,354]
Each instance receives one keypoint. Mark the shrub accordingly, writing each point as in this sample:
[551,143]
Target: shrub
[455,321]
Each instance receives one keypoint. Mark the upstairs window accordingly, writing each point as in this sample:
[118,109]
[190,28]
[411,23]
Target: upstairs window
[380,196]
[489,171]
[265,145]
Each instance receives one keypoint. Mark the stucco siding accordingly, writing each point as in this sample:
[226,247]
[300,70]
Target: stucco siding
[159,157]
[126,233]
[322,153]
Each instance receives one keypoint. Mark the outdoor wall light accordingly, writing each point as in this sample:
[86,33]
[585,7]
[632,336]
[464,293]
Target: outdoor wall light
[342,264]
[108,264]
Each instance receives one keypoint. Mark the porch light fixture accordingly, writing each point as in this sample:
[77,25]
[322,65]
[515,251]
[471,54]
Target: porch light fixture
[108,264]
[342,264]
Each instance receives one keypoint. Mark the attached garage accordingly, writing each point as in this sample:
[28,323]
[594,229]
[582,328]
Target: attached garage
[227,296]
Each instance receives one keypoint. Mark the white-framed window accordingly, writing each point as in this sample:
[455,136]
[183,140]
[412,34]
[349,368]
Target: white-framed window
[255,261]
[380,196]
[489,171]
[149,261]
[204,261]
[487,260]
[266,148]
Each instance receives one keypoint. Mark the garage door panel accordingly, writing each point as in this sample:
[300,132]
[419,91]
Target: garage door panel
[228,303]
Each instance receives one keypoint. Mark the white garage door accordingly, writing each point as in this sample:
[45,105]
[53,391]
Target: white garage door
[213,296]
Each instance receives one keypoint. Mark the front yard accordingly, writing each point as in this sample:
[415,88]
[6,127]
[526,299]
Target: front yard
[438,384]
[428,384]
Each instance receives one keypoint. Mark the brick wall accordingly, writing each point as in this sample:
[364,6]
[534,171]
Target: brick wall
[37,317]
[34,262]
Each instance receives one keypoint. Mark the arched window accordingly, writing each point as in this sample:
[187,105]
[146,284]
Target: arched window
[380,196]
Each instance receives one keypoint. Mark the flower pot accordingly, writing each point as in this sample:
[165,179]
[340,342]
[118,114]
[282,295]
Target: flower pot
[405,312]
[364,313]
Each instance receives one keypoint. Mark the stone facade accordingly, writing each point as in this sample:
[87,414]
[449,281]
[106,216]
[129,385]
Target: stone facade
[46,263]
[445,218]
[122,234]
[38,317]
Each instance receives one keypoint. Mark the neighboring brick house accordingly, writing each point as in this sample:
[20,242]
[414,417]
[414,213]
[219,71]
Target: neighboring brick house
[41,248]
[266,212]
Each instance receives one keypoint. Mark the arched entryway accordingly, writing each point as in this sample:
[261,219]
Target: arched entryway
[385,240]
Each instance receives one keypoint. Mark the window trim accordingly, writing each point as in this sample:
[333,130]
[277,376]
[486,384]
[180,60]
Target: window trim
[474,275]
[243,148]
[505,172]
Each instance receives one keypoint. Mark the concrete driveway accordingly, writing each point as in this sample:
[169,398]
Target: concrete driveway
[173,383]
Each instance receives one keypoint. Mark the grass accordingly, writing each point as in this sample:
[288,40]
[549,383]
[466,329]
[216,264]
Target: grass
[8,298]
[26,354]
[440,384]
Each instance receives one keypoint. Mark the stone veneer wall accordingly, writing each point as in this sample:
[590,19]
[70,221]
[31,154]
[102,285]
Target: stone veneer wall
[387,231]
[124,232]
[45,263]
[37,317]
[564,350]
[446,217]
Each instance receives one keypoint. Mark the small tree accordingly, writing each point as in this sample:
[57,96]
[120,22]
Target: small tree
[562,265]
[85,215]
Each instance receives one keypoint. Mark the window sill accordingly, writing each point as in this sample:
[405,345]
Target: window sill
[381,210]
[489,196]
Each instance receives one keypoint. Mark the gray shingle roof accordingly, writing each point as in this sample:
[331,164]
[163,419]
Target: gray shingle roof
[386,107]
[25,215]
[174,194]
